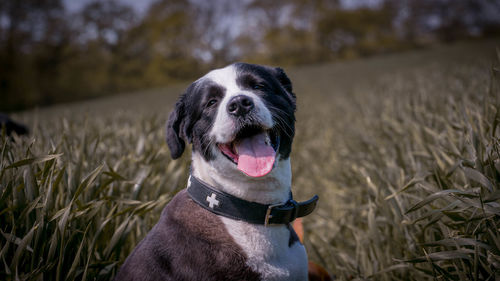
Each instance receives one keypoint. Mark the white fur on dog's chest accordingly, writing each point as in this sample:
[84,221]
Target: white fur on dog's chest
[268,252]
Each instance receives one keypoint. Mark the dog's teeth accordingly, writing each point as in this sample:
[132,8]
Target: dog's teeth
[268,140]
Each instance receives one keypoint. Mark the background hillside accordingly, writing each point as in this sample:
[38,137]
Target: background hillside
[403,150]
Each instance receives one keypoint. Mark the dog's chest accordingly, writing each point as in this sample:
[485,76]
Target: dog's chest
[268,251]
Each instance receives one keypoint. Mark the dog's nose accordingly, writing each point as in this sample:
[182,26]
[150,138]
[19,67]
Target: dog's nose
[240,105]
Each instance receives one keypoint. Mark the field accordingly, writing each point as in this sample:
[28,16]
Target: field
[403,150]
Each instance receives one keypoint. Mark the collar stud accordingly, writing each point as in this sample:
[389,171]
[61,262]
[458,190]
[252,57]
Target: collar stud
[212,201]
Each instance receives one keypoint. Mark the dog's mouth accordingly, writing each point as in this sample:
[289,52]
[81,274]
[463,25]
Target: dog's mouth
[253,150]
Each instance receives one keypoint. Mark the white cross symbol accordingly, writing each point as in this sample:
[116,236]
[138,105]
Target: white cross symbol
[212,201]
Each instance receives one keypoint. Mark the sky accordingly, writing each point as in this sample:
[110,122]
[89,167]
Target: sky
[141,6]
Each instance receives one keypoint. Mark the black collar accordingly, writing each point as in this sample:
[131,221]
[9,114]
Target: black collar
[227,205]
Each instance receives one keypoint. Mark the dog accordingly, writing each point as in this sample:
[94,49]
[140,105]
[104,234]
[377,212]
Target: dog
[232,222]
[12,126]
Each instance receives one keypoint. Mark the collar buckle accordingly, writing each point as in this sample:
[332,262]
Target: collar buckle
[290,204]
[268,212]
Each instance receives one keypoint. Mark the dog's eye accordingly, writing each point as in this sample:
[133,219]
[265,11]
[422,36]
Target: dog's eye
[258,87]
[211,102]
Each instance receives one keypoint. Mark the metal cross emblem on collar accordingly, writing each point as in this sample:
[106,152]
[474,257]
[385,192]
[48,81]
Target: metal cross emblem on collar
[212,201]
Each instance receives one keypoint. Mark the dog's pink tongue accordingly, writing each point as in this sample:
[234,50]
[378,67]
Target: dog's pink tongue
[256,158]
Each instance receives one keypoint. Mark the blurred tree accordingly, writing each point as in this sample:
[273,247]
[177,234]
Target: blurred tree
[48,55]
[285,31]
[362,31]
[31,35]
[216,29]
[107,21]
[104,26]
[163,42]
[421,21]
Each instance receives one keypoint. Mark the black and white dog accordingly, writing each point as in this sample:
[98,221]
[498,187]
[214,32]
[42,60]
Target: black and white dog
[233,220]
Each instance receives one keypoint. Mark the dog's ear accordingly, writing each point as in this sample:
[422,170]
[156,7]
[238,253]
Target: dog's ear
[284,81]
[175,140]
[280,74]
[179,125]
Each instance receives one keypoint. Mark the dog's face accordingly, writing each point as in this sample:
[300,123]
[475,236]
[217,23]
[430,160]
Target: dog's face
[239,119]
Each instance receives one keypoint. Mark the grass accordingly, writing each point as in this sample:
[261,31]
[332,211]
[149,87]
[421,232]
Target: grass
[403,151]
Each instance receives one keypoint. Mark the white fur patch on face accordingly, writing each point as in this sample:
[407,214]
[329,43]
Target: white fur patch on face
[223,129]
[268,252]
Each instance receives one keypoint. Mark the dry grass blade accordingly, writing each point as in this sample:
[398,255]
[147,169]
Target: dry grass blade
[443,255]
[33,160]
[478,177]
[438,195]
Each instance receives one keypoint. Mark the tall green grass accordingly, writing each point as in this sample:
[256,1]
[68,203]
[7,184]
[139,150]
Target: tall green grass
[403,150]
[75,201]
[411,176]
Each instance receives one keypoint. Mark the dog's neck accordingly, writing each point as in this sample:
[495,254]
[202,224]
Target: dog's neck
[270,189]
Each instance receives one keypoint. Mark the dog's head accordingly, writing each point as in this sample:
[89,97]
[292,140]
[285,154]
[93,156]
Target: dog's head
[239,118]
